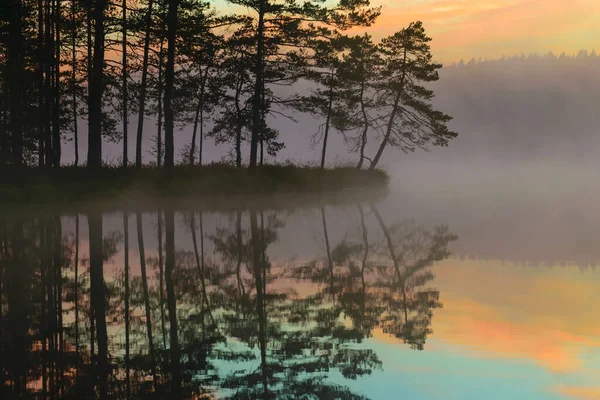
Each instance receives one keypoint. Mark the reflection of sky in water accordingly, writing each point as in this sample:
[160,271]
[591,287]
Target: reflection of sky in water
[513,329]
[505,332]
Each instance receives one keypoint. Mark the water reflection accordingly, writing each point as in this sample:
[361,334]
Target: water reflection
[88,311]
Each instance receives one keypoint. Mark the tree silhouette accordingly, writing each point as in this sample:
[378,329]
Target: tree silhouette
[410,120]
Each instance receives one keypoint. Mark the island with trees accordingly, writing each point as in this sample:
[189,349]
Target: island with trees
[105,70]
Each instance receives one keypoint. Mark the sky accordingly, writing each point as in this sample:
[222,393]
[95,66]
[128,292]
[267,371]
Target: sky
[462,29]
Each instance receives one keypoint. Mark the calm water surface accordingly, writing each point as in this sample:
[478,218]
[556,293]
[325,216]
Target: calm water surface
[445,293]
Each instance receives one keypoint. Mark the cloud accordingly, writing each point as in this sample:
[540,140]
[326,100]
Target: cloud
[491,28]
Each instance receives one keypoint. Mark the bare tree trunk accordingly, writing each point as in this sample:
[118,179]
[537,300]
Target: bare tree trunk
[263,124]
[169,83]
[258,86]
[238,111]
[395,110]
[159,155]
[327,122]
[388,133]
[140,126]
[140,233]
[89,45]
[363,137]
[96,87]
[124,84]
[15,77]
[199,119]
[56,149]
[4,142]
[172,305]
[49,64]
[74,79]
[41,56]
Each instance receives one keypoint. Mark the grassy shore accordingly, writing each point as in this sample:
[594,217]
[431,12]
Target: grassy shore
[78,185]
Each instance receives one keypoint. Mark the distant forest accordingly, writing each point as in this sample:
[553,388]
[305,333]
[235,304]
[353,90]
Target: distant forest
[116,65]
[527,106]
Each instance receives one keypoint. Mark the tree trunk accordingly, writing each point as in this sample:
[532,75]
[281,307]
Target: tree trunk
[140,234]
[15,77]
[239,125]
[194,131]
[142,106]
[327,122]
[172,306]
[74,78]
[258,86]
[4,143]
[56,150]
[388,133]
[41,56]
[199,119]
[49,65]
[89,45]
[98,299]
[169,83]
[263,124]
[392,116]
[363,138]
[159,144]
[96,87]
[124,84]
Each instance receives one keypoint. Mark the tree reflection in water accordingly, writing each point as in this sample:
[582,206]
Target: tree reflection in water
[229,323]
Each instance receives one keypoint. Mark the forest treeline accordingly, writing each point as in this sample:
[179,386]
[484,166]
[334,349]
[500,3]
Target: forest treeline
[581,55]
[536,106]
[111,65]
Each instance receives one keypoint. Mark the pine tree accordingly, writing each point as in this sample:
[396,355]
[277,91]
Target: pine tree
[411,121]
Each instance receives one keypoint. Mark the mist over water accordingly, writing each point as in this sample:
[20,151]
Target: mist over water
[474,275]
[350,299]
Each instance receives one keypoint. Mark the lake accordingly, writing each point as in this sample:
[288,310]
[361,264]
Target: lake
[463,283]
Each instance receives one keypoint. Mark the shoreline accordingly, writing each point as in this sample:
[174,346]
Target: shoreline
[216,186]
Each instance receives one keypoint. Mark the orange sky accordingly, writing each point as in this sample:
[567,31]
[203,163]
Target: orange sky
[492,28]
